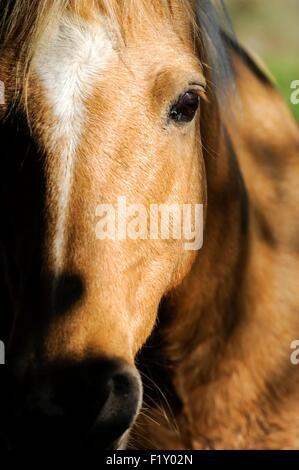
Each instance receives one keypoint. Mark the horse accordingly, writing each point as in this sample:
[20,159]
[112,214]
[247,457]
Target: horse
[140,343]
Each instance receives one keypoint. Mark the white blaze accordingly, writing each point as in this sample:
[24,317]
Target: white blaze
[69,61]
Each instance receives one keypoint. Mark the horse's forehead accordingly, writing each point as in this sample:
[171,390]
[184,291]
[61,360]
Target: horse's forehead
[71,53]
[77,53]
[70,60]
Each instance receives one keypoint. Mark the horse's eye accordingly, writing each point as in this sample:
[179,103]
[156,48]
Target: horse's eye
[185,108]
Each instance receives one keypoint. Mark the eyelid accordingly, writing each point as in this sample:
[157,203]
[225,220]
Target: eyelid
[200,83]
[199,88]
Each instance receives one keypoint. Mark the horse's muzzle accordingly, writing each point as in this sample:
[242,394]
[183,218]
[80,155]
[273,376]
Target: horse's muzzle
[90,404]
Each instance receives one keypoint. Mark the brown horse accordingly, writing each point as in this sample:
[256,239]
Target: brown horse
[151,101]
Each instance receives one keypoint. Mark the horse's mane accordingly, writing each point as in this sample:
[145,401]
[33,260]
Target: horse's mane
[23,21]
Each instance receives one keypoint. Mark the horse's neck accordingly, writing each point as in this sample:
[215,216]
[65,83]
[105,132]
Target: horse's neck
[228,329]
[201,316]
[233,325]
[209,307]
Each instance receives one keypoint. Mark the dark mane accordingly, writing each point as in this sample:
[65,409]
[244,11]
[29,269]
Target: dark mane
[212,20]
[233,44]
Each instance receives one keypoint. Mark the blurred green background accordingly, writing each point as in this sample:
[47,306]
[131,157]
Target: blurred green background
[270,28]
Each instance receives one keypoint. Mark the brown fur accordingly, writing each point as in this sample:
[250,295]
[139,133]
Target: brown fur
[227,346]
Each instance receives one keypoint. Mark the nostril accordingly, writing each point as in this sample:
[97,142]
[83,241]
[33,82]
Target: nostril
[119,411]
[123,399]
